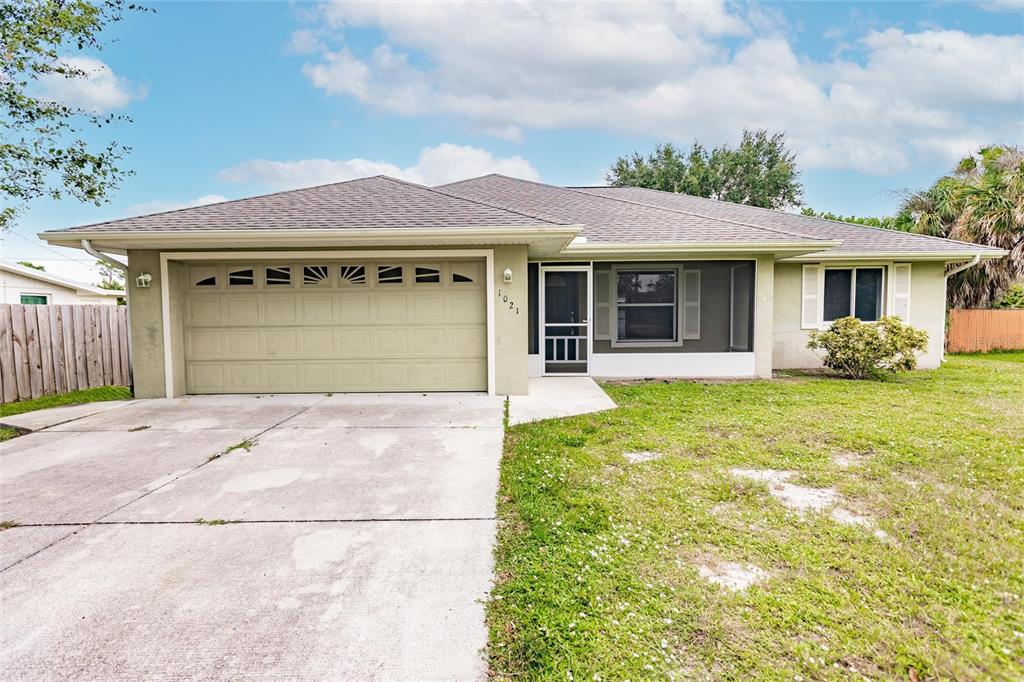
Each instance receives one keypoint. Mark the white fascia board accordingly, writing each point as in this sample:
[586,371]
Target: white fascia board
[669,248]
[169,239]
[899,256]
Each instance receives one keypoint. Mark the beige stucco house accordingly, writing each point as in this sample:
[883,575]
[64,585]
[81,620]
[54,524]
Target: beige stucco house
[382,285]
[28,286]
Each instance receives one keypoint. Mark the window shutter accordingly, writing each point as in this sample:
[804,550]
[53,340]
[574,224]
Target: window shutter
[691,304]
[602,305]
[901,291]
[811,298]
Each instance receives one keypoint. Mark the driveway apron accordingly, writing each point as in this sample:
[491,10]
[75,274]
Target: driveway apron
[223,537]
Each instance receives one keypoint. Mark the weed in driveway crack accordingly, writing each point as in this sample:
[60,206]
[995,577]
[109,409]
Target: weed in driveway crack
[248,444]
[4,525]
[140,428]
[214,522]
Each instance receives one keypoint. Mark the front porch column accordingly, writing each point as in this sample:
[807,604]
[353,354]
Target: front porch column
[764,315]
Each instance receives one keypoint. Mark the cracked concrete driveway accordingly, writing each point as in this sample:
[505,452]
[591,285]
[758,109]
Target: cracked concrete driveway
[352,540]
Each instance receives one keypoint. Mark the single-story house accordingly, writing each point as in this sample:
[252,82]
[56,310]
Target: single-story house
[383,285]
[29,286]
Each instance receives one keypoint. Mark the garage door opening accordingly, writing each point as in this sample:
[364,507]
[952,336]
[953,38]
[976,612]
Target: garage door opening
[346,326]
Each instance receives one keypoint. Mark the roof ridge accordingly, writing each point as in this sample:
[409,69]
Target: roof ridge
[58,280]
[826,221]
[652,206]
[539,216]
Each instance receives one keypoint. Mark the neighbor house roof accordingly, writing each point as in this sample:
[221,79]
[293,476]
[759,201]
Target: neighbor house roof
[57,280]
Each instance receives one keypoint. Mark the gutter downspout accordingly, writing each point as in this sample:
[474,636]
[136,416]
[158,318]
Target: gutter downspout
[945,285]
[114,263]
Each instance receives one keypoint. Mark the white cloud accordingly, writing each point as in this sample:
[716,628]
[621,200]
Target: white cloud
[436,165]
[160,206]
[1002,5]
[665,70]
[99,91]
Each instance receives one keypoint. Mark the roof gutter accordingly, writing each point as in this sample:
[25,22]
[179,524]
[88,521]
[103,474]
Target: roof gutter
[960,268]
[112,262]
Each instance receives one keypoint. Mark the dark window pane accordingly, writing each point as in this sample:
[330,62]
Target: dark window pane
[426,275]
[647,287]
[276,276]
[869,294]
[648,323]
[837,293]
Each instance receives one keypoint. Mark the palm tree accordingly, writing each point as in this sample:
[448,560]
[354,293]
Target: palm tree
[982,202]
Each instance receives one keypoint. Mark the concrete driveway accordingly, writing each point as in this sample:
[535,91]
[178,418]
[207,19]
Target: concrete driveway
[346,537]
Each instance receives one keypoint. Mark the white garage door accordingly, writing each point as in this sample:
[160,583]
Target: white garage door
[336,326]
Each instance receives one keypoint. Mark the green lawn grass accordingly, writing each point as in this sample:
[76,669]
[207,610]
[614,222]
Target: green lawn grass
[596,563]
[89,395]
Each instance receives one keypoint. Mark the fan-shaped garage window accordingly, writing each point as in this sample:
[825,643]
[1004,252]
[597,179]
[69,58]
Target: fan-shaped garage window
[241,278]
[278,275]
[353,275]
[389,274]
[428,274]
[203,276]
[315,275]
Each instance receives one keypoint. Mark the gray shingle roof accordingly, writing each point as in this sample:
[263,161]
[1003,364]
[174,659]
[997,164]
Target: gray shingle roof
[855,238]
[611,220]
[367,203]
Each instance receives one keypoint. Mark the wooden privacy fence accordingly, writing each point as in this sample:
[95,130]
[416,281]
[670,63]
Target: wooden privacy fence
[49,349]
[979,331]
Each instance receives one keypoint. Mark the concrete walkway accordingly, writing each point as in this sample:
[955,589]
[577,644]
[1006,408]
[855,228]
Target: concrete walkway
[552,397]
[351,540]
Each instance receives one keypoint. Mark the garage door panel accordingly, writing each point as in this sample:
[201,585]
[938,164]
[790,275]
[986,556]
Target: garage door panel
[279,309]
[391,308]
[392,341]
[354,309]
[203,310]
[355,342]
[242,344]
[340,335]
[317,309]
[205,344]
[241,311]
[317,343]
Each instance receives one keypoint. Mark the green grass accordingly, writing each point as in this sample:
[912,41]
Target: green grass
[89,395]
[596,558]
[7,433]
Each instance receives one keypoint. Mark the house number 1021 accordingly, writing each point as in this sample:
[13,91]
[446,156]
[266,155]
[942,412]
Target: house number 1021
[505,300]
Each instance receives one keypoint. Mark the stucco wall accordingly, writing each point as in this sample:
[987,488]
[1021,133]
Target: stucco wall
[927,312]
[146,326]
[13,285]
[511,321]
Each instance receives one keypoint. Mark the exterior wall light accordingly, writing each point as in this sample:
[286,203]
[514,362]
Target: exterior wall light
[143,280]
[508,275]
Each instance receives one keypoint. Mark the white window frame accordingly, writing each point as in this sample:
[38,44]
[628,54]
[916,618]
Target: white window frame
[677,317]
[883,292]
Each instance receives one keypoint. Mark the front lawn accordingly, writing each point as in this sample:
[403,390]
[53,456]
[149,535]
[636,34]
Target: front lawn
[878,528]
[88,395]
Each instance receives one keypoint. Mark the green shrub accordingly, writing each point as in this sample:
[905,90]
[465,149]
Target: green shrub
[862,351]
[1013,299]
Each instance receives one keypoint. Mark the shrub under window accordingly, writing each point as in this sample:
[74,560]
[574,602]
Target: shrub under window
[862,351]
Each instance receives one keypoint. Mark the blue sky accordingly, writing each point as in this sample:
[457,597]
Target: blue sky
[230,99]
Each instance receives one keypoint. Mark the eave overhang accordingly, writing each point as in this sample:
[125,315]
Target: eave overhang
[541,241]
[779,249]
[949,256]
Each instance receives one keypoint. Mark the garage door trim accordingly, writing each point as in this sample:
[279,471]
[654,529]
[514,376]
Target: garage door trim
[410,254]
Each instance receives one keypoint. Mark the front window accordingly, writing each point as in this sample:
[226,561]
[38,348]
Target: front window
[646,301]
[33,299]
[853,291]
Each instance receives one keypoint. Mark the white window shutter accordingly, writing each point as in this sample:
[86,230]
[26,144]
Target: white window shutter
[602,305]
[691,304]
[810,309]
[901,291]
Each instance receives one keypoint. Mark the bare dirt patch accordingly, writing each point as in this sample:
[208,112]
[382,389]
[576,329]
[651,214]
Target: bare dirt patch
[793,496]
[730,575]
[638,457]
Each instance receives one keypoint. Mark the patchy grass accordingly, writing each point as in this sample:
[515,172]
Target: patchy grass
[599,561]
[89,395]
[7,433]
